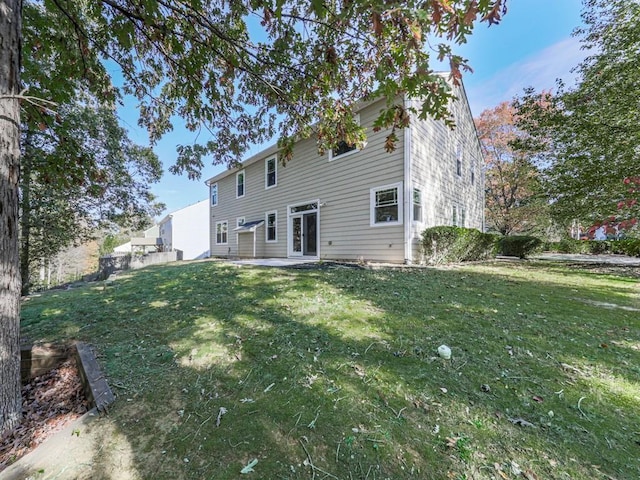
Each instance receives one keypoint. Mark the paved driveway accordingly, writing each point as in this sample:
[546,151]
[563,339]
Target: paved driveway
[578,258]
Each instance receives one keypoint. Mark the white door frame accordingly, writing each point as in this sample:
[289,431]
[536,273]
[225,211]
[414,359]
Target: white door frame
[293,211]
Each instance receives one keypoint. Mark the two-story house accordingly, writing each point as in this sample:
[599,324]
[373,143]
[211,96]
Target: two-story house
[352,204]
[187,230]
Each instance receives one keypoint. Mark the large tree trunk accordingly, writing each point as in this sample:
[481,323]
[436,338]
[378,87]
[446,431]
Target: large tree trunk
[10,51]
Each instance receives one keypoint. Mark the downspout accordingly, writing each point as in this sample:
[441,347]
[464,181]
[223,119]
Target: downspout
[408,253]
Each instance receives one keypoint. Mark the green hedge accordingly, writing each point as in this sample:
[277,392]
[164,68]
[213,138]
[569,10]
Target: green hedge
[456,244]
[629,247]
[518,245]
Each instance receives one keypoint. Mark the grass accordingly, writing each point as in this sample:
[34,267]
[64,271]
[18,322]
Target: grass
[333,372]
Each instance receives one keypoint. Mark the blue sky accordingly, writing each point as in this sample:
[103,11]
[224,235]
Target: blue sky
[532,46]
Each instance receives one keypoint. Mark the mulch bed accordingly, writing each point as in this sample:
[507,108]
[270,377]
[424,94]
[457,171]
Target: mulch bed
[49,402]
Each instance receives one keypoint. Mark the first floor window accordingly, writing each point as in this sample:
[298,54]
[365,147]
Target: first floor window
[458,218]
[221,232]
[417,205]
[386,205]
[272,233]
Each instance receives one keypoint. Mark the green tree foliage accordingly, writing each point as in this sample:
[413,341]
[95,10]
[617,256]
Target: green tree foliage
[81,174]
[238,72]
[514,200]
[587,136]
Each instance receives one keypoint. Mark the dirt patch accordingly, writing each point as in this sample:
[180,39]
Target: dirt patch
[49,402]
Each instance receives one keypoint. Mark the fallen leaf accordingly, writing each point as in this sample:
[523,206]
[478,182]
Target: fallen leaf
[529,475]
[249,467]
[538,399]
[452,442]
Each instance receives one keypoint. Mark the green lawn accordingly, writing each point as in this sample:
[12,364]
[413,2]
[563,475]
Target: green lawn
[333,372]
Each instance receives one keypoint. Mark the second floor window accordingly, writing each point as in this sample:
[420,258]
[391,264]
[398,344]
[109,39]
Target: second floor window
[271,168]
[214,194]
[344,148]
[240,184]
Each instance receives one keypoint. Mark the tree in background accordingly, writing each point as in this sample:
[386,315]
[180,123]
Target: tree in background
[308,64]
[587,136]
[513,202]
[80,174]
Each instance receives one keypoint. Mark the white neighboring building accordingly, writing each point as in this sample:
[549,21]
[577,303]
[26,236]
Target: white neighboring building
[187,230]
[147,243]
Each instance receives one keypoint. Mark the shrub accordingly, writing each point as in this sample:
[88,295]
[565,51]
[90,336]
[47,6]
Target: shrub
[518,245]
[456,244]
[630,247]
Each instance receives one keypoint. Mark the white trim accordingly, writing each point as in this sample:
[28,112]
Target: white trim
[211,187]
[301,214]
[413,206]
[266,171]
[221,222]
[266,228]
[408,182]
[350,152]
[244,183]
[400,203]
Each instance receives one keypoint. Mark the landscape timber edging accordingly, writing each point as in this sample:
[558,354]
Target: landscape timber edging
[96,388]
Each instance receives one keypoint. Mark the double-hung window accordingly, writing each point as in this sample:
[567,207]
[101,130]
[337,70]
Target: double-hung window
[271,172]
[458,217]
[459,161]
[344,148]
[272,231]
[386,205]
[240,184]
[214,194]
[222,229]
[417,205]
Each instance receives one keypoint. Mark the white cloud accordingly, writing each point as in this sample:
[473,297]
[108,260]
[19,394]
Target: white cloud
[539,71]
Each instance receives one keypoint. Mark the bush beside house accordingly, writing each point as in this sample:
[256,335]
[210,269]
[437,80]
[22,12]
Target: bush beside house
[456,244]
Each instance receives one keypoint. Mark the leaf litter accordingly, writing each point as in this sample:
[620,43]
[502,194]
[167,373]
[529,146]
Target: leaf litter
[49,403]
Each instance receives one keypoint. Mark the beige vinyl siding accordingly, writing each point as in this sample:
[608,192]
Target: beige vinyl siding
[433,149]
[342,188]
[244,242]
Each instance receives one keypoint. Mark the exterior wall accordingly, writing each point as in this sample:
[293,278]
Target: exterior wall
[341,187]
[245,243]
[435,149]
[187,230]
[166,233]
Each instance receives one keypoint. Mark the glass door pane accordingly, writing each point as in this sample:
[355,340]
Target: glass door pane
[310,234]
[296,232]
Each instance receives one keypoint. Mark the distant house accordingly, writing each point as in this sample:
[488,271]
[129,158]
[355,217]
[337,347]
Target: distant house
[148,243]
[187,230]
[352,204]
